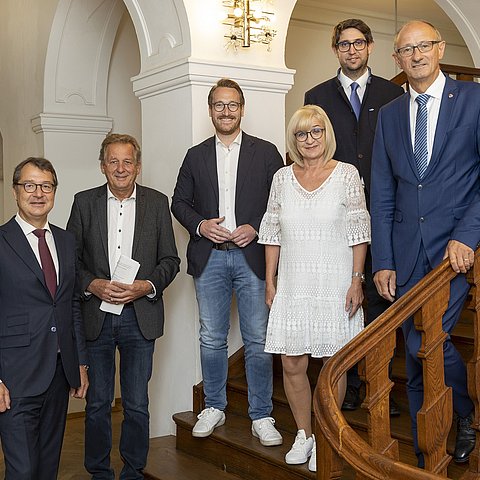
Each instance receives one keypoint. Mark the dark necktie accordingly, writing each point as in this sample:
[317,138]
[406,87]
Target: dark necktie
[48,266]
[355,99]
[420,147]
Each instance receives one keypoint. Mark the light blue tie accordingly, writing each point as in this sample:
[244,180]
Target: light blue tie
[355,99]
[420,147]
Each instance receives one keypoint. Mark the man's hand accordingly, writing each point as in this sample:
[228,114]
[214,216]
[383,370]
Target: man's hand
[243,235]
[4,398]
[461,256]
[119,293]
[212,230]
[81,391]
[386,283]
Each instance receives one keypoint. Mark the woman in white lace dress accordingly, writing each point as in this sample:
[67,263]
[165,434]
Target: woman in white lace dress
[315,230]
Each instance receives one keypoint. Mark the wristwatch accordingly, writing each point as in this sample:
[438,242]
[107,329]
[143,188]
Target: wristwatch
[360,275]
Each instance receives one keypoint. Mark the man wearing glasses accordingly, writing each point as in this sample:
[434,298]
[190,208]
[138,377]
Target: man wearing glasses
[426,203]
[352,100]
[42,344]
[220,198]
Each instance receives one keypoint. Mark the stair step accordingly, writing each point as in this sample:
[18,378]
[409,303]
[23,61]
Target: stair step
[233,448]
[165,462]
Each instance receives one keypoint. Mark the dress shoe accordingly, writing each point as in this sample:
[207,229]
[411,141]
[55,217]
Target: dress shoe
[352,399]
[465,441]
[394,408]
[265,431]
[208,420]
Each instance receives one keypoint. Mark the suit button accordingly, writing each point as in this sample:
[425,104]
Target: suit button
[420,186]
[53,329]
[360,155]
[422,219]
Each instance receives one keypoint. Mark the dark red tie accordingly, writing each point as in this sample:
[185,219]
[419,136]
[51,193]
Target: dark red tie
[48,266]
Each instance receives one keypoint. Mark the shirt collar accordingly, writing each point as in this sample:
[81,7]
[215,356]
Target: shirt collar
[435,90]
[27,227]
[132,196]
[237,140]
[362,81]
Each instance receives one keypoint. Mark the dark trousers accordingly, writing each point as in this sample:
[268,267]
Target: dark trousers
[136,356]
[455,371]
[376,305]
[32,431]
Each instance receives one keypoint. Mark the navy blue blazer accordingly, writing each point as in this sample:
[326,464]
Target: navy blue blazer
[33,325]
[196,196]
[354,138]
[445,204]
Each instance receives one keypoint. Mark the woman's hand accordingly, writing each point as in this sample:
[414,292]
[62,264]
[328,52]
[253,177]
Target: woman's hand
[270,292]
[354,297]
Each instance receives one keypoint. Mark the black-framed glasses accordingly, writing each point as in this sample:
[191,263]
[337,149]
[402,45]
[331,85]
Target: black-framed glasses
[422,47]
[32,187]
[358,44]
[220,106]
[316,133]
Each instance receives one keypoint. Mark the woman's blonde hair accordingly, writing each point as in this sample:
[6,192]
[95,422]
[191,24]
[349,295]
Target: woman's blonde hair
[303,120]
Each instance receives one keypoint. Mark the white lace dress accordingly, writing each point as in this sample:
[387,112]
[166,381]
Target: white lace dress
[316,231]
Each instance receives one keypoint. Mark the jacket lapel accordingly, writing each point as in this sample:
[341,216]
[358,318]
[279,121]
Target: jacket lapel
[449,98]
[101,212]
[140,209]
[210,160]
[406,135]
[246,159]
[15,237]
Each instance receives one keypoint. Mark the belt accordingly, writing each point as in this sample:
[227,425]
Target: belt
[225,246]
[128,305]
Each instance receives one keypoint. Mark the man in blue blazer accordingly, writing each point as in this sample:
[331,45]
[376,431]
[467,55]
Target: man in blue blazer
[42,343]
[352,43]
[220,198]
[425,201]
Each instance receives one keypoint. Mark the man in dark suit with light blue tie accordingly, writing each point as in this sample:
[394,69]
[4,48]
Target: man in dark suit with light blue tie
[42,343]
[425,202]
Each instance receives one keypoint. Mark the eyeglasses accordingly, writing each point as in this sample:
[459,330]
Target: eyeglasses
[315,133]
[423,47]
[32,187]
[358,44]
[220,106]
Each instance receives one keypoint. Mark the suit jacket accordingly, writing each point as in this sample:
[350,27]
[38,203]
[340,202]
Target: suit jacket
[196,196]
[354,138]
[153,247]
[33,325]
[408,211]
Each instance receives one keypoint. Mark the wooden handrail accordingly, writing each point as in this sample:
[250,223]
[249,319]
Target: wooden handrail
[378,458]
[461,73]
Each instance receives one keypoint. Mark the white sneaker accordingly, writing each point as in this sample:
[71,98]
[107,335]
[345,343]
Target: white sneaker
[265,431]
[208,419]
[301,449]
[312,464]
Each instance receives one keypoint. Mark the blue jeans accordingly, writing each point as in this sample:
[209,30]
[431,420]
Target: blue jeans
[136,355]
[225,272]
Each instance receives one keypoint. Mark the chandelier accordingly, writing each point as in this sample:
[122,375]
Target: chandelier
[249,21]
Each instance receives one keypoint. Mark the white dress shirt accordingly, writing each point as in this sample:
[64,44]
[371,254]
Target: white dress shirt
[433,108]
[227,166]
[347,84]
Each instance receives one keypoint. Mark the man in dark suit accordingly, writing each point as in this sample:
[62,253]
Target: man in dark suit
[354,126]
[426,202]
[220,198]
[117,220]
[42,342]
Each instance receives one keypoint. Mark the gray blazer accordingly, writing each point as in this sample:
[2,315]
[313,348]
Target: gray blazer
[153,247]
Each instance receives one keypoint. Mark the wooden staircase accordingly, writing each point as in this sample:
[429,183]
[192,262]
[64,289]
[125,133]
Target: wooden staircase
[232,453]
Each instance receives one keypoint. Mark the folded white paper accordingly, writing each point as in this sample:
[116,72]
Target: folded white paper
[125,272]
